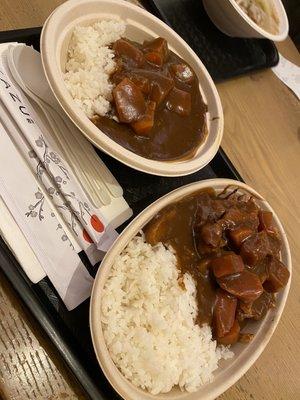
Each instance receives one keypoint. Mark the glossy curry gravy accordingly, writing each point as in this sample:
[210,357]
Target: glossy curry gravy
[174,226]
[231,249]
[173,101]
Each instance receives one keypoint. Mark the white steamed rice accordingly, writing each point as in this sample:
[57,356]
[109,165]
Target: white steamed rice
[90,63]
[148,321]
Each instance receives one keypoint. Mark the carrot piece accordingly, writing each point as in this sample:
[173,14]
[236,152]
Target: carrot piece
[154,58]
[145,124]
[231,337]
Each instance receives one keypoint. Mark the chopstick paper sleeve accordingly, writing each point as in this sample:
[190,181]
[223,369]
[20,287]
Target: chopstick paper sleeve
[42,230]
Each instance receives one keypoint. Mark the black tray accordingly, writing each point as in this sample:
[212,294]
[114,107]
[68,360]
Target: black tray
[69,331]
[223,56]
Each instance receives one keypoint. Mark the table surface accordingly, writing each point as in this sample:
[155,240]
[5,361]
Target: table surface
[262,138]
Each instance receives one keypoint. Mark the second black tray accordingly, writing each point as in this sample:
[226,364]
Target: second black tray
[223,56]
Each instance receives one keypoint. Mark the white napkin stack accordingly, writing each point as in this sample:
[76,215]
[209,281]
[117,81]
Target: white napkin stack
[289,74]
[18,244]
[33,214]
[45,201]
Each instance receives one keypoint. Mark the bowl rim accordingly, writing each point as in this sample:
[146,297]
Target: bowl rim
[278,37]
[106,363]
[98,138]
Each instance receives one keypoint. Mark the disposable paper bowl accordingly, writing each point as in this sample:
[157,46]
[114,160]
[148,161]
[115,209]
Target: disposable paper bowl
[230,371]
[233,21]
[141,25]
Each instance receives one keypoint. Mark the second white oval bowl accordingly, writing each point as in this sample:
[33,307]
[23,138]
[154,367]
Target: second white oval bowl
[229,17]
[230,371]
[141,25]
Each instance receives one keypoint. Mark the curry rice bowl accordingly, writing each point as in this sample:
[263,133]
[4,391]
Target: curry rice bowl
[148,319]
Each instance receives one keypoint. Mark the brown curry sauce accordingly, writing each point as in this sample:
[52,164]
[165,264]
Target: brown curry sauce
[235,281]
[177,132]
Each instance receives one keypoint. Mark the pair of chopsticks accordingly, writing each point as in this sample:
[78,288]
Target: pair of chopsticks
[79,219]
[57,197]
[96,179]
[39,228]
[34,164]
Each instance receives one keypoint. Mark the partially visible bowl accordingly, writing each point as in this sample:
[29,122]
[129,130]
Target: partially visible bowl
[233,21]
[230,371]
[141,25]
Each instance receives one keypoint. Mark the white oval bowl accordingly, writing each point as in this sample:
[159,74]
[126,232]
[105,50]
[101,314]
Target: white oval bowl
[141,25]
[230,371]
[233,21]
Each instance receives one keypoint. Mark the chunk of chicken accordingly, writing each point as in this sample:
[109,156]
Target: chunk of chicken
[160,85]
[236,217]
[140,81]
[211,234]
[126,49]
[179,101]
[160,88]
[209,209]
[258,246]
[257,309]
[261,269]
[182,72]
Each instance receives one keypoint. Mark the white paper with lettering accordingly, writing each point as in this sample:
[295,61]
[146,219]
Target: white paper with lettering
[87,223]
[40,227]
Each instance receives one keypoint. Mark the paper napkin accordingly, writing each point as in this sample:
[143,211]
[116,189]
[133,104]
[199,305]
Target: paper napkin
[42,230]
[289,74]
